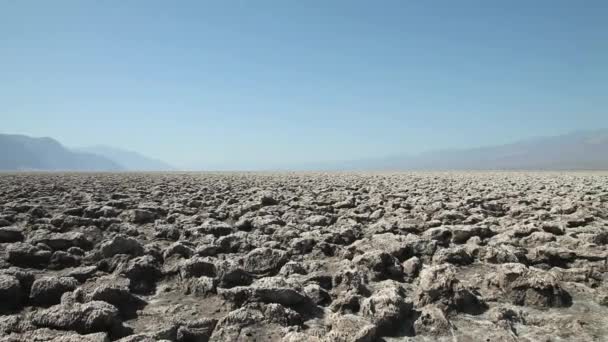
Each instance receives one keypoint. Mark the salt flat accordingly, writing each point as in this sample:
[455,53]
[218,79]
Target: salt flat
[466,256]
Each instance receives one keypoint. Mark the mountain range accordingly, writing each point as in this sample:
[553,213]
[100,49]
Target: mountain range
[585,150]
[130,160]
[24,153]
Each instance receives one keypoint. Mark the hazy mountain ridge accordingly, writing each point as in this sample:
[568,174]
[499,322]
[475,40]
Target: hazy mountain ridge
[131,160]
[586,150]
[22,153]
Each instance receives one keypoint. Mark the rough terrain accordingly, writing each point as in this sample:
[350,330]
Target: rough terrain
[501,256]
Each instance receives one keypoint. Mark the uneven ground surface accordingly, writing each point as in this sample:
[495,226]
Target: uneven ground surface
[304,257]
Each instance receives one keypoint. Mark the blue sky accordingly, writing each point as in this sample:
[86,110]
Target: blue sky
[249,84]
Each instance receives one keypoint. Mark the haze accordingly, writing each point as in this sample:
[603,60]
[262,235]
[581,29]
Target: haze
[246,85]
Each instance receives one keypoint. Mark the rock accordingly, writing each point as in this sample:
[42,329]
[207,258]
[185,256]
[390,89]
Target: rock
[302,245]
[450,216]
[82,273]
[61,241]
[317,220]
[399,246]
[265,290]
[165,332]
[538,238]
[387,308]
[347,302]
[266,221]
[453,255]
[411,267]
[178,248]
[110,289]
[199,330]
[256,322]
[502,313]
[566,208]
[207,250]
[554,256]
[585,275]
[37,211]
[602,298]
[460,234]
[299,337]
[351,280]
[26,255]
[351,328]
[143,272]
[139,338]
[347,203]
[600,238]
[344,236]
[72,221]
[436,282]
[107,211]
[231,274]
[381,264]
[376,215]
[264,260]
[291,268]
[528,286]
[442,235]
[196,267]
[141,216]
[432,322]
[201,287]
[121,245]
[215,227]
[10,292]
[438,285]
[167,231]
[243,224]
[47,291]
[25,277]
[10,234]
[60,260]
[553,228]
[12,323]
[318,294]
[574,221]
[323,279]
[76,251]
[84,318]
[45,334]
[75,211]
[502,254]
[268,199]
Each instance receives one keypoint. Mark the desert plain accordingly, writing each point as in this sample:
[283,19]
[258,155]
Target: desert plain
[421,256]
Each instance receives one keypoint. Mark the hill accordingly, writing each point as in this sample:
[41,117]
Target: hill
[130,160]
[22,153]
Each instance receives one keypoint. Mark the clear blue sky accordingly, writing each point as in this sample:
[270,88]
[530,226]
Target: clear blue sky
[243,84]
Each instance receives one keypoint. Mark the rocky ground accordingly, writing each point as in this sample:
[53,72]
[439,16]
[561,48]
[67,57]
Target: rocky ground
[304,257]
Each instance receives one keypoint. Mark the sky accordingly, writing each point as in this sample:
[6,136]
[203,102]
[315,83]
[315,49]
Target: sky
[248,84]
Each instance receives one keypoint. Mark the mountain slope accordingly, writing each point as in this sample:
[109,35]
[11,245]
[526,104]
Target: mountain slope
[132,161]
[20,152]
[575,151]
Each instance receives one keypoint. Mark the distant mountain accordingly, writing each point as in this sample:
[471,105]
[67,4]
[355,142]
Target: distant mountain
[132,161]
[575,151]
[586,150]
[21,153]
